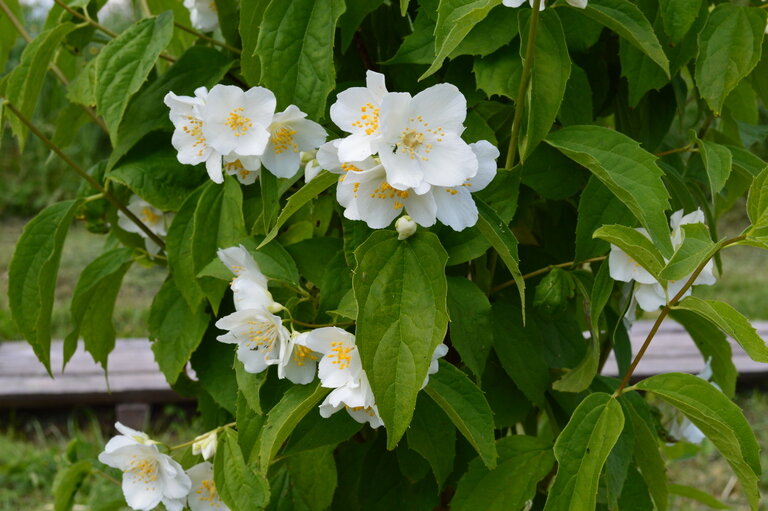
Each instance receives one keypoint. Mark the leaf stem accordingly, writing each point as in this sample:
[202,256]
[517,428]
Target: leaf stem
[673,151]
[82,173]
[186,444]
[665,311]
[545,270]
[524,79]
[320,325]
[204,37]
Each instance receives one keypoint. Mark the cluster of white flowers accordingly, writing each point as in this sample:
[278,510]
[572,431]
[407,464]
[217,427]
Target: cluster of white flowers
[151,477]
[203,14]
[649,293]
[155,219]
[328,352]
[238,131]
[581,4]
[405,153]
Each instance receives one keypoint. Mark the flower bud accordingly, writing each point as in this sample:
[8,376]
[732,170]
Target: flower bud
[205,444]
[405,226]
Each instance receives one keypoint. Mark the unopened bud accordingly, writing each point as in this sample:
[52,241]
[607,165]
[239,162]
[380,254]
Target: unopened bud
[405,226]
[311,170]
[205,444]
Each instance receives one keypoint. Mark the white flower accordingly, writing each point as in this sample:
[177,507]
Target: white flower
[358,400]
[421,143]
[247,169]
[298,363]
[203,14]
[440,351]
[250,285]
[203,496]
[356,111]
[405,227]
[236,122]
[341,363]
[259,336]
[289,134]
[581,4]
[155,219]
[149,477]
[205,444]
[188,136]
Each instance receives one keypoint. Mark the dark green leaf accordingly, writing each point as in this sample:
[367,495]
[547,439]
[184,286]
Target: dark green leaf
[635,245]
[178,246]
[470,314]
[717,162]
[697,495]
[678,17]
[240,487]
[251,15]
[697,247]
[499,73]
[649,460]
[757,205]
[597,207]
[68,481]
[433,436]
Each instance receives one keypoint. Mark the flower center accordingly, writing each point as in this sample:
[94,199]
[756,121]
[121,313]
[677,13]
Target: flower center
[194,128]
[282,140]
[233,166]
[386,191]
[348,166]
[261,335]
[369,119]
[144,469]
[238,122]
[341,354]
[300,353]
[207,493]
[149,217]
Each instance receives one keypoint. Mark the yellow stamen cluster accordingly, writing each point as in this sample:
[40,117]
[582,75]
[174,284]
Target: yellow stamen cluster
[149,217]
[282,140]
[369,119]
[144,469]
[207,493]
[348,166]
[366,409]
[386,191]
[341,353]
[301,353]
[238,122]
[194,128]
[261,335]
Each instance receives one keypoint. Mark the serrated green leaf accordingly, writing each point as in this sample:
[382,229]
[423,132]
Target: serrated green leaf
[626,169]
[696,248]
[401,292]
[678,17]
[627,20]
[124,64]
[581,451]
[433,436]
[93,302]
[717,162]
[239,486]
[68,481]
[523,462]
[295,47]
[175,330]
[251,15]
[470,313]
[729,48]
[718,418]
[466,406]
[32,275]
[635,245]
[757,205]
[730,321]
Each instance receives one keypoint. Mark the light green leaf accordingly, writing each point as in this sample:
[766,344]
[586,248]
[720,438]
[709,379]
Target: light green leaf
[470,313]
[717,162]
[433,436]
[249,424]
[635,244]
[730,321]
[26,80]
[627,20]
[8,33]
[419,46]
[32,275]
[178,247]
[295,202]
[311,481]
[94,301]
[718,418]
[239,486]
[581,451]
[297,402]
[455,19]
[678,17]
[626,169]
[67,483]
[757,205]
[697,495]
[401,291]
[124,64]
[523,462]
[251,15]
[295,47]
[466,406]
[697,247]
[250,385]
[499,73]
[729,48]
[648,459]
[549,76]
[497,29]
[175,330]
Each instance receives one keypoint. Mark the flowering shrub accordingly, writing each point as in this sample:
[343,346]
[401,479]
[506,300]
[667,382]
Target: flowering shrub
[486,207]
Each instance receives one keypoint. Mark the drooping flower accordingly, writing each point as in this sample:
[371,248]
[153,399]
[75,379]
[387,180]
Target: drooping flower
[298,363]
[259,336]
[356,111]
[341,364]
[149,477]
[249,286]
[204,496]
[440,351]
[357,399]
[203,14]
[157,220]
[289,134]
[581,4]
[205,444]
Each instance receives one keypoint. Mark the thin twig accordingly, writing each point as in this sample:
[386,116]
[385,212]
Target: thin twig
[82,173]
[321,325]
[545,270]
[204,37]
[220,428]
[673,151]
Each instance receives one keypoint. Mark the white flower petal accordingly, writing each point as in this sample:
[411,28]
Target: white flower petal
[455,207]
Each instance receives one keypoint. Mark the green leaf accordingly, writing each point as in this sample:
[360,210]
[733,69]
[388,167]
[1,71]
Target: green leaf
[283,418]
[352,17]
[523,462]
[68,481]
[94,301]
[433,436]
[718,418]
[554,290]
[495,31]
[251,15]
[455,19]
[270,199]
[8,33]
[175,330]
[729,48]
[717,162]
[576,107]
[696,248]
[250,385]
[678,17]
[627,20]
[401,291]
[757,204]
[549,76]
[730,321]
[124,64]
[499,73]
[501,238]
[296,201]
[470,313]
[626,169]
[213,364]
[419,46]
[311,481]
[295,47]
[316,431]
[597,206]
[249,424]
[648,459]
[32,275]
[581,451]
[239,486]
[274,261]
[466,406]
[228,12]
[178,247]
[697,495]
[635,245]
[26,80]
